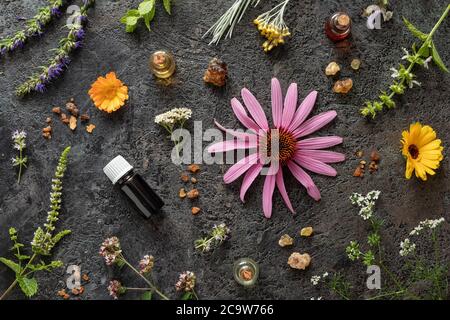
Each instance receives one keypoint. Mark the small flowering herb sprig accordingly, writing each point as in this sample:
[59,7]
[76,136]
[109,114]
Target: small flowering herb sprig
[172,120]
[417,269]
[216,237]
[34,27]
[56,65]
[44,240]
[224,27]
[19,144]
[335,283]
[403,76]
[186,284]
[111,251]
[145,11]
[272,26]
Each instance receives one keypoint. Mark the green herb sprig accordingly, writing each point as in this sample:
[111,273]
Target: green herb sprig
[20,160]
[43,242]
[403,76]
[146,12]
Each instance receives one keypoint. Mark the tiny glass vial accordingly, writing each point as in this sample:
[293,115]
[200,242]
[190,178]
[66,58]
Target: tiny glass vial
[246,272]
[338,26]
[144,199]
[162,64]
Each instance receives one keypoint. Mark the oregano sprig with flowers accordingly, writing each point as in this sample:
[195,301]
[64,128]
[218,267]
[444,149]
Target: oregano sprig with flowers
[44,240]
[224,26]
[56,65]
[186,284]
[272,26]
[19,144]
[34,27]
[111,251]
[218,234]
[403,76]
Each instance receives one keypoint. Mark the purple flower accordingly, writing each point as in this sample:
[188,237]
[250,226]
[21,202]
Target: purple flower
[64,61]
[78,44]
[55,71]
[17,44]
[3,51]
[56,12]
[79,35]
[40,87]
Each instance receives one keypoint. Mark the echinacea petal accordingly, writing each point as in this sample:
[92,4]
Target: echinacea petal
[240,167]
[315,123]
[290,103]
[319,143]
[224,146]
[303,111]
[255,109]
[282,189]
[315,166]
[277,103]
[268,189]
[249,177]
[304,179]
[321,155]
[242,116]
[240,135]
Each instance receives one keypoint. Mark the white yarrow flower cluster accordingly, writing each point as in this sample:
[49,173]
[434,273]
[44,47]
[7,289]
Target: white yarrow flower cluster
[317,278]
[427,224]
[407,247]
[174,116]
[365,203]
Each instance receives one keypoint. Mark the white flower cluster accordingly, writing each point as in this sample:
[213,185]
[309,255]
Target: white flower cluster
[18,138]
[430,224]
[366,203]
[407,247]
[176,115]
[318,298]
[316,279]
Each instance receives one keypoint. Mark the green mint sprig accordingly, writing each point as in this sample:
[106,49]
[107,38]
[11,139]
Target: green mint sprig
[403,76]
[43,242]
[145,11]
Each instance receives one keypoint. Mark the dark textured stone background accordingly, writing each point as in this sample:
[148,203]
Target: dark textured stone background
[94,210]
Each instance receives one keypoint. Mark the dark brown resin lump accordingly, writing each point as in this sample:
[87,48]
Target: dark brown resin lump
[216,73]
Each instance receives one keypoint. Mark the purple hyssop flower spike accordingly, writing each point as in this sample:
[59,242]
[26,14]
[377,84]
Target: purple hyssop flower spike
[79,35]
[40,87]
[3,51]
[55,71]
[78,44]
[17,44]
[64,61]
[56,12]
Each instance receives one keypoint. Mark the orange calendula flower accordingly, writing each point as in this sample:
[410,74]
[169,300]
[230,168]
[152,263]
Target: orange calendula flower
[423,152]
[108,93]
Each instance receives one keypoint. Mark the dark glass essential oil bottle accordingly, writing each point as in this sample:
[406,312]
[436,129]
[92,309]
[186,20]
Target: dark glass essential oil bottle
[144,199]
[338,26]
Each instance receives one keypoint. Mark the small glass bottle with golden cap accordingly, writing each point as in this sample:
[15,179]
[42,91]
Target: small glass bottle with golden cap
[162,64]
[338,26]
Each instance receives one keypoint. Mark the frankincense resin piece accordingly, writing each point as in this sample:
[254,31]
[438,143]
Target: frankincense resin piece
[216,73]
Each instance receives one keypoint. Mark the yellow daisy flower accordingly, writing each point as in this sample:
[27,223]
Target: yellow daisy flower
[108,93]
[423,152]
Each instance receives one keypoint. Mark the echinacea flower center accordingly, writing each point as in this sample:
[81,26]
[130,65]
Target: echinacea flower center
[413,151]
[278,145]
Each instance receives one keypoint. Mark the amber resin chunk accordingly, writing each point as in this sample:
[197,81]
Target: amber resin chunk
[216,73]
[343,86]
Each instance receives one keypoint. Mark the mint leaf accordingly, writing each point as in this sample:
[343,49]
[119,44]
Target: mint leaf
[11,264]
[147,295]
[167,6]
[28,286]
[437,58]
[146,7]
[416,32]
